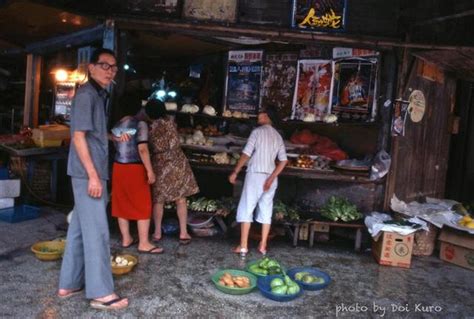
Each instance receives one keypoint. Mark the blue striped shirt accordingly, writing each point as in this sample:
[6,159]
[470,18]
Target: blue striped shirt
[264,145]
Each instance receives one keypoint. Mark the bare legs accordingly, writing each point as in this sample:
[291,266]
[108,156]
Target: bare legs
[143,226]
[262,247]
[157,217]
[182,212]
[244,238]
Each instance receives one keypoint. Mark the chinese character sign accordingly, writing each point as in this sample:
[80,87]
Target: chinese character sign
[244,69]
[321,15]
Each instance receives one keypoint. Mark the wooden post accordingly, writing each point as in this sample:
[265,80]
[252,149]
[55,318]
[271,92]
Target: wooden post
[32,87]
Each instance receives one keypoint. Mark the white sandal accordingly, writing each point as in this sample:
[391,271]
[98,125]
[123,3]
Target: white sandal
[242,251]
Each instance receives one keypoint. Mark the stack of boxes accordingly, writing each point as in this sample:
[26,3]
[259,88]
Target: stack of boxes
[9,189]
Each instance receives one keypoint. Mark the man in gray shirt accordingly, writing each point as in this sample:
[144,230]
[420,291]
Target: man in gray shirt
[263,147]
[86,261]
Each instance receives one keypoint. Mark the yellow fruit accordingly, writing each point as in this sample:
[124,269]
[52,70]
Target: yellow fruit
[467,219]
[470,225]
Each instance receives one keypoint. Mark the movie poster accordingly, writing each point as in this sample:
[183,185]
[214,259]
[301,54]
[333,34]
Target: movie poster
[353,90]
[244,71]
[278,82]
[312,91]
[319,15]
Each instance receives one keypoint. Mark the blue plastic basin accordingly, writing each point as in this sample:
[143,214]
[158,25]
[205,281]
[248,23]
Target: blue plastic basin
[313,271]
[263,285]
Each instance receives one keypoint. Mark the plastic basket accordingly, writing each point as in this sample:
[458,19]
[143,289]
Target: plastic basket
[19,213]
[312,271]
[263,285]
[234,290]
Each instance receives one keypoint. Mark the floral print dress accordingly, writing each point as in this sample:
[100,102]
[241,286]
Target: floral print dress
[174,177]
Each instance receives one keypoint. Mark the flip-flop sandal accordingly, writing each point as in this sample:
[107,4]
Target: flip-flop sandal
[108,305]
[241,251]
[152,251]
[71,293]
[184,241]
[155,240]
[133,243]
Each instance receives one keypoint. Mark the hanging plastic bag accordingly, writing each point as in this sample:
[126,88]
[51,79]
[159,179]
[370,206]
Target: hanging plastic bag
[380,166]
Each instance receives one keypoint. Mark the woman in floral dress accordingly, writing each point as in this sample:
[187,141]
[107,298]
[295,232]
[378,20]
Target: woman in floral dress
[174,178]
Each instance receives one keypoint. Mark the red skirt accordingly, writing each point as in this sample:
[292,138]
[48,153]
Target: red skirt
[131,197]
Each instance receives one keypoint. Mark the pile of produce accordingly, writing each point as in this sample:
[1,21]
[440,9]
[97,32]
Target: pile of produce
[318,145]
[228,280]
[337,208]
[284,286]
[203,204]
[466,221]
[281,211]
[197,139]
[307,278]
[266,266]
[120,261]
[226,159]
[235,114]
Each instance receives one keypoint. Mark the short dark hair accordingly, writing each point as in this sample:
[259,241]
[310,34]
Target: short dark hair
[155,109]
[129,104]
[98,52]
[272,113]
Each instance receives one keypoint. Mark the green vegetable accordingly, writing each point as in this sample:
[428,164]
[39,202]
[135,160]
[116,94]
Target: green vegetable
[293,290]
[274,270]
[300,275]
[308,279]
[276,282]
[337,208]
[280,290]
[272,263]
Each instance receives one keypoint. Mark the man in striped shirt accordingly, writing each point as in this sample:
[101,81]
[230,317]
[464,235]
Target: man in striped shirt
[263,147]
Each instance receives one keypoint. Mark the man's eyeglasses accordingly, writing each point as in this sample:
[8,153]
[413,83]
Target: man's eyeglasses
[105,66]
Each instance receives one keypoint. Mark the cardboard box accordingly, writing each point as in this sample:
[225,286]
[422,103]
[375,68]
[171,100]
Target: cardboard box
[392,249]
[9,188]
[457,247]
[7,202]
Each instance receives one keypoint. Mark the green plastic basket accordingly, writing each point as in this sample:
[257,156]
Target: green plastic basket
[234,272]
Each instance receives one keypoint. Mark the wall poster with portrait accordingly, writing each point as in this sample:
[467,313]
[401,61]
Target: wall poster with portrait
[278,81]
[312,91]
[354,89]
[244,72]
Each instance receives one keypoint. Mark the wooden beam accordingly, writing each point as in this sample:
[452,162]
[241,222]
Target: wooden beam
[81,38]
[275,34]
[463,14]
[32,88]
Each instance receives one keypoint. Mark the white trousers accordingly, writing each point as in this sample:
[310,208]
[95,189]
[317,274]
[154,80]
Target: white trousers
[253,197]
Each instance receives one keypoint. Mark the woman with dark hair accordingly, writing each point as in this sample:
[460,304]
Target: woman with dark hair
[132,175]
[174,178]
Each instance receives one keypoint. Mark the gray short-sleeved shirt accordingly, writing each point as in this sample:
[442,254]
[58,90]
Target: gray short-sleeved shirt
[127,152]
[88,114]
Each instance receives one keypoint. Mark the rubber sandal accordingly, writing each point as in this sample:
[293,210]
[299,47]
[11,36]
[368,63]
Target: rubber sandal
[241,251]
[185,241]
[152,251]
[108,305]
[71,293]
[134,242]
[155,240]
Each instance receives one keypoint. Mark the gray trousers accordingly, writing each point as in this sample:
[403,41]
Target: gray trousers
[86,260]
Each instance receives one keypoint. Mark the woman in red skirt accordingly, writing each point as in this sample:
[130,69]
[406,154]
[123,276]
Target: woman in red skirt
[131,177]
